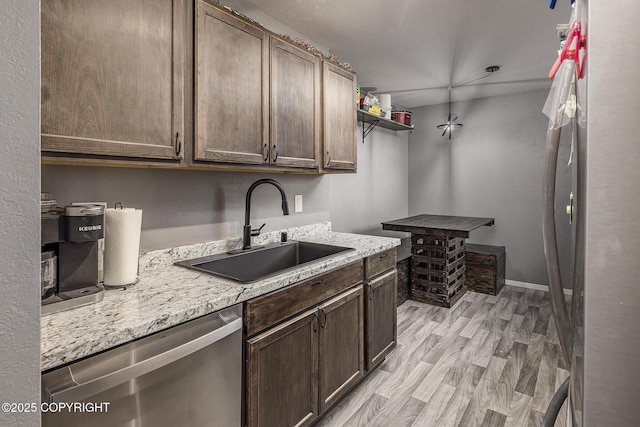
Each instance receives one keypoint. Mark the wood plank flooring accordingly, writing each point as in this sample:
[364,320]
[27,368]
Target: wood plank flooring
[489,361]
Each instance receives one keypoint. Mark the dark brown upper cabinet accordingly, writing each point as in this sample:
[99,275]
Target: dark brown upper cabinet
[231,88]
[113,78]
[295,106]
[339,115]
[119,79]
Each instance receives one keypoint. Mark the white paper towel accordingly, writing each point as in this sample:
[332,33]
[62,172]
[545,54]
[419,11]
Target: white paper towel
[122,245]
[385,101]
[385,105]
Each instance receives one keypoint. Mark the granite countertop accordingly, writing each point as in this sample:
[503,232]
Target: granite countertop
[168,295]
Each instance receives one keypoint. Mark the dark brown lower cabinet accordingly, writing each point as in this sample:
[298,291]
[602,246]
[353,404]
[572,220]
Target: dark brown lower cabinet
[338,330]
[282,374]
[341,349]
[299,368]
[381,317]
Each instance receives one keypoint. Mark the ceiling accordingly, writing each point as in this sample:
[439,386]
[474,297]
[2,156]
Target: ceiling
[425,44]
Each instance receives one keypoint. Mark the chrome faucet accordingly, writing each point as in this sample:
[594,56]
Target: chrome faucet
[247,232]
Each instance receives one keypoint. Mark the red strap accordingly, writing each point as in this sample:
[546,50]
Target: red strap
[572,53]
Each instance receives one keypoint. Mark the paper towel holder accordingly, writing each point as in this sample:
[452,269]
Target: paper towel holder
[121,287]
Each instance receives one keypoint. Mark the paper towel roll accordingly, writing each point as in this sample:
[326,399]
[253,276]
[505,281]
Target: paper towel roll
[385,105]
[385,101]
[122,245]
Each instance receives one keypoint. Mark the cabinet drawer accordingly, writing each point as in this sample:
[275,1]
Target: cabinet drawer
[267,310]
[380,262]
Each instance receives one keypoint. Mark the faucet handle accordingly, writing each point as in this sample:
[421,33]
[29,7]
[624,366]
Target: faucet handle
[256,231]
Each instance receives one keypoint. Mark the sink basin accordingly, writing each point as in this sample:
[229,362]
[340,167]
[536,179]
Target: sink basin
[257,264]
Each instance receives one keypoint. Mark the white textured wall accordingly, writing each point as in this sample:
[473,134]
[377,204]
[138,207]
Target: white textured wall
[493,168]
[19,208]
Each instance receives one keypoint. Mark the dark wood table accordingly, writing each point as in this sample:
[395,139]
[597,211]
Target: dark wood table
[438,225]
[437,254]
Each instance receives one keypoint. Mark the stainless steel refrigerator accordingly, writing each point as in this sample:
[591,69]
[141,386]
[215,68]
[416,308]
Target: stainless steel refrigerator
[601,332]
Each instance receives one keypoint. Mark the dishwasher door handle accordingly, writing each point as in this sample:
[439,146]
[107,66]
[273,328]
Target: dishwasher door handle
[80,391]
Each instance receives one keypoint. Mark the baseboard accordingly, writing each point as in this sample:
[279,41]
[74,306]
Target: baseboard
[535,286]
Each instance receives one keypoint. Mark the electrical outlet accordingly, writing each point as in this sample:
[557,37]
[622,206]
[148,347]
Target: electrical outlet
[298,203]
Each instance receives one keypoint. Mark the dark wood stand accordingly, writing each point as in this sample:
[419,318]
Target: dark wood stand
[437,269]
[437,255]
[485,268]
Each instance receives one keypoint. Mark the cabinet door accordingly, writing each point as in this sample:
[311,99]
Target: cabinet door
[341,349]
[381,317]
[339,113]
[283,374]
[295,105]
[231,88]
[112,77]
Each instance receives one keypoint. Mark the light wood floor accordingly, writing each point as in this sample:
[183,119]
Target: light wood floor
[489,361]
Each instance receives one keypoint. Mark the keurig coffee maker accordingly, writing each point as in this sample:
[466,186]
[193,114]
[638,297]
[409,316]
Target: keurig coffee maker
[69,263]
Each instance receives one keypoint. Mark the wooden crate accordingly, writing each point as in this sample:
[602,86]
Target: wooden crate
[404,277]
[437,269]
[485,270]
[442,300]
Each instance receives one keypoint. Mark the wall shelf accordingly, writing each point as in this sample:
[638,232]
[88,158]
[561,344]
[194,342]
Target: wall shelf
[372,121]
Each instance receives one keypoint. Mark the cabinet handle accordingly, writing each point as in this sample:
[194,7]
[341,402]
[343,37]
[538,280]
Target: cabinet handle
[319,282]
[324,318]
[373,291]
[383,256]
[275,153]
[178,145]
[328,158]
[315,322]
[265,152]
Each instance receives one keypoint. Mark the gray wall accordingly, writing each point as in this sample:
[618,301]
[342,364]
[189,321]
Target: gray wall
[19,208]
[492,168]
[378,192]
[182,207]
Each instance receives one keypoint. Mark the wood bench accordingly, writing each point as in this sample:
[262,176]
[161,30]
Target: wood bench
[485,268]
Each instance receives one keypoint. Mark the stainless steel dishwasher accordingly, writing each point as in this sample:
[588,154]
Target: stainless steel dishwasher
[189,375]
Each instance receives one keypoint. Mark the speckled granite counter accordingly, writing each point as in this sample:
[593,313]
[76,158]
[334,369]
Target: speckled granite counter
[168,295]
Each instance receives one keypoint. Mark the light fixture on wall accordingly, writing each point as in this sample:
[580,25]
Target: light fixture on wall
[452,119]
[451,124]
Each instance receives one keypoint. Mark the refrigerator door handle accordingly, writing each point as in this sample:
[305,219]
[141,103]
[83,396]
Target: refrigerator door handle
[550,243]
[78,391]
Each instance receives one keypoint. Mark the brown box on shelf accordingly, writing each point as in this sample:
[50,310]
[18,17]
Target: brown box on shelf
[485,268]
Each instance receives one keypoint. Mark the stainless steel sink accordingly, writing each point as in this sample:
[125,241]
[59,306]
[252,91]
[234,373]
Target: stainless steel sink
[257,264]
